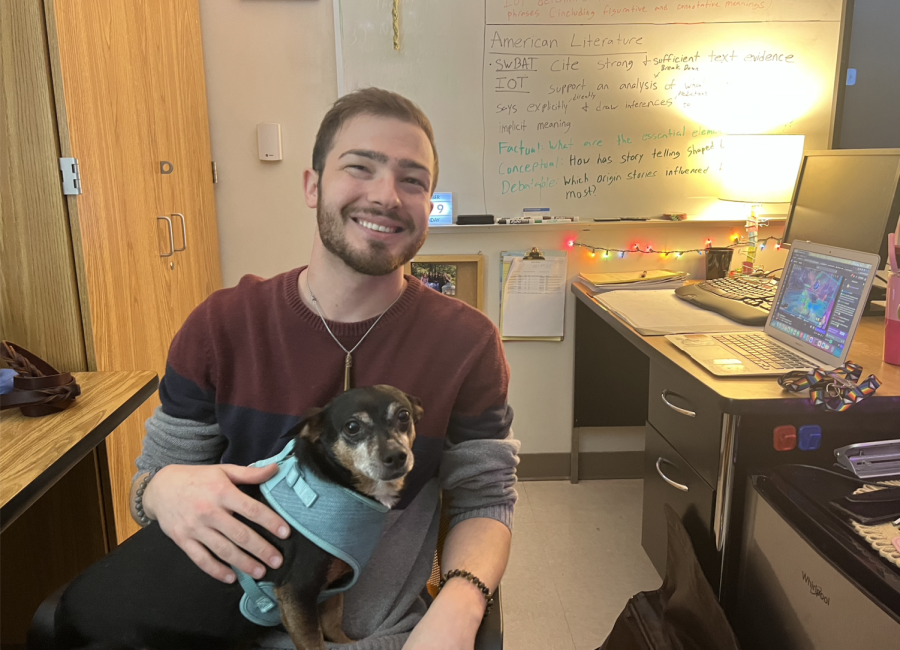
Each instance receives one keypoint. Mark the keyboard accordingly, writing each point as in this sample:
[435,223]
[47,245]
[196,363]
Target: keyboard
[762,351]
[734,309]
[758,292]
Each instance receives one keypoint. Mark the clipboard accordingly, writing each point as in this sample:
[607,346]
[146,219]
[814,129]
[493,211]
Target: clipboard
[556,303]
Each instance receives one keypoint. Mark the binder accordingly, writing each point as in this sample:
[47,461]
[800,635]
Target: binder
[539,297]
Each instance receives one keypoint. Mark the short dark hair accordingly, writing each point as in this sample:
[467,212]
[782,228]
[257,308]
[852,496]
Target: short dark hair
[369,101]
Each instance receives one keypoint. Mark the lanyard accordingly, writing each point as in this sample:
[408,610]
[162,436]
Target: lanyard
[832,390]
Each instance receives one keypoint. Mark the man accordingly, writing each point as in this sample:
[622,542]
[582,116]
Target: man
[251,359]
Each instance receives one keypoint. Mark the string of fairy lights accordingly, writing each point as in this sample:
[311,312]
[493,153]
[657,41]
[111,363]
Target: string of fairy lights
[606,252]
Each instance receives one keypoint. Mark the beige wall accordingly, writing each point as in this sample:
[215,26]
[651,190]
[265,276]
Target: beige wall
[274,61]
[266,61]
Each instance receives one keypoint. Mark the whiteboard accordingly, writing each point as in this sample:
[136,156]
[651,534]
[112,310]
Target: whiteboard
[596,108]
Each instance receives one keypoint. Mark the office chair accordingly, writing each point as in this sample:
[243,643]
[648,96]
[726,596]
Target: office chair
[41,634]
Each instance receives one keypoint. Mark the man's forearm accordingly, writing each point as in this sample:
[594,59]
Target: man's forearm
[481,547]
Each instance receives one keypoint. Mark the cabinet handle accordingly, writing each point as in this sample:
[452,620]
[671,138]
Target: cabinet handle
[677,409]
[183,233]
[680,486]
[171,238]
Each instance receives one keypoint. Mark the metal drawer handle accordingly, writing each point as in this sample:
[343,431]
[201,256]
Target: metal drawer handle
[677,409]
[680,486]
[183,233]
[171,238]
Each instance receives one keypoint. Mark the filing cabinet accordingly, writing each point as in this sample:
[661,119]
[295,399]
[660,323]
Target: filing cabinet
[669,479]
[685,412]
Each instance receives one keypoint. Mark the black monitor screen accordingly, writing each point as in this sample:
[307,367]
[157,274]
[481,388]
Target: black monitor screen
[846,198]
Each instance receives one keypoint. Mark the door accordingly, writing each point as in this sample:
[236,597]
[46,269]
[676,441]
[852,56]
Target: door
[134,113]
[99,54]
[181,138]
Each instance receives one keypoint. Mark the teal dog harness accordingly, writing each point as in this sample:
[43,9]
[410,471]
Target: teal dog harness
[340,521]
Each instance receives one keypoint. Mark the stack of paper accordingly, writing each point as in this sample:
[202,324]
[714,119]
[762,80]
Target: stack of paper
[632,280]
[655,313]
[534,298]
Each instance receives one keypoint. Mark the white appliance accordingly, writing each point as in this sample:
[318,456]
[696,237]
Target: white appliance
[807,581]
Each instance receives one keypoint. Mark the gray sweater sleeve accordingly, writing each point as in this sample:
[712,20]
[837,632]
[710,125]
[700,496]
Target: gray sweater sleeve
[478,475]
[171,441]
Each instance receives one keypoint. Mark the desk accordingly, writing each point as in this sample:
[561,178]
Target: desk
[36,452]
[705,434]
[58,536]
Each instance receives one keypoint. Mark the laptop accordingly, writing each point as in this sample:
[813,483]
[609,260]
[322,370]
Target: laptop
[814,316]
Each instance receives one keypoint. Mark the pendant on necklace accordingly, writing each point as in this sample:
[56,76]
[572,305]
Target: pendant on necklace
[348,363]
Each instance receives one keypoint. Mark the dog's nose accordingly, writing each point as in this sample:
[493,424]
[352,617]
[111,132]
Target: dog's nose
[395,460]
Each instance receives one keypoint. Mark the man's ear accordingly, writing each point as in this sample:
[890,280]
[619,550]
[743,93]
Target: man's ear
[311,187]
[417,410]
[311,424]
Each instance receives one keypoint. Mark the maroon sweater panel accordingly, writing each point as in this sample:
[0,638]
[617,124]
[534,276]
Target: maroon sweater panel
[258,346]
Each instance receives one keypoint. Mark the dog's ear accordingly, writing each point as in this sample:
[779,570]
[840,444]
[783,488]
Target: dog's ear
[417,410]
[311,424]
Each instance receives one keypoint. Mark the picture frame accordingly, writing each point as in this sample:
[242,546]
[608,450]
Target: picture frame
[466,280]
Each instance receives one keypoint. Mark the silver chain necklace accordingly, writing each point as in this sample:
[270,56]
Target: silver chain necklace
[348,360]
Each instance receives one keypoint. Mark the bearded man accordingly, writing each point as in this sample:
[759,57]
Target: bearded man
[252,359]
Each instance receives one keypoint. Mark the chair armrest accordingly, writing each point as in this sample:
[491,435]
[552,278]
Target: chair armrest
[42,633]
[490,633]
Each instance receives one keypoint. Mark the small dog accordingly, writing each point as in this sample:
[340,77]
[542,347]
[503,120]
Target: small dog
[362,440]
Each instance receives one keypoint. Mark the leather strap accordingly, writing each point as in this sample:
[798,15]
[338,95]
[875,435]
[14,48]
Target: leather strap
[39,388]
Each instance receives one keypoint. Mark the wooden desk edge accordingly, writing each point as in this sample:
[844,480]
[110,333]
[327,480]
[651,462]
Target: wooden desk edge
[34,490]
[728,404]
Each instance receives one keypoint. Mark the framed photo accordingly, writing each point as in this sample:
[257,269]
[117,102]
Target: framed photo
[458,276]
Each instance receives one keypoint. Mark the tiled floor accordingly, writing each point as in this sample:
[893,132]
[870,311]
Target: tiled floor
[576,560]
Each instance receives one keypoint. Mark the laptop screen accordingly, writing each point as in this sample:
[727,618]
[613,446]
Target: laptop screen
[819,299]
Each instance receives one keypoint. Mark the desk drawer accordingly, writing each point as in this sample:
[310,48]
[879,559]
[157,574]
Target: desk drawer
[685,413]
[668,478]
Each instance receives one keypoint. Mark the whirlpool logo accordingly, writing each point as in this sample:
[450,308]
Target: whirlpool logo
[815,589]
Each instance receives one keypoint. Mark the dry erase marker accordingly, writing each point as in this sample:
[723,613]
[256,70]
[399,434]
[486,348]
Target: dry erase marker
[515,221]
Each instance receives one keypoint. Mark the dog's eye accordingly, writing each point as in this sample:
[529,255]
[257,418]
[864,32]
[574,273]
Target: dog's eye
[403,416]
[352,427]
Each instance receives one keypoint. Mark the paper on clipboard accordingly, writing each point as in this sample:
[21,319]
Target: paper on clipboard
[533,297]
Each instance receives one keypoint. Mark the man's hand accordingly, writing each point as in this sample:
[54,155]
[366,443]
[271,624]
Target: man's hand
[195,507]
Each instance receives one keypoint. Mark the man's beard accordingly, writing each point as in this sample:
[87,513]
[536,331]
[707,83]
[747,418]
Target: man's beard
[376,259]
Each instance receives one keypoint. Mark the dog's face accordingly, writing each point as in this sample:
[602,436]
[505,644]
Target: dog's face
[370,432]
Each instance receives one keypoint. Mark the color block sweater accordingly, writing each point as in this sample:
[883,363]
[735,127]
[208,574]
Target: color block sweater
[251,359]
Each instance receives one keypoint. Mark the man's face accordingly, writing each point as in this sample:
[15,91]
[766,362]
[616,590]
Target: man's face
[374,197]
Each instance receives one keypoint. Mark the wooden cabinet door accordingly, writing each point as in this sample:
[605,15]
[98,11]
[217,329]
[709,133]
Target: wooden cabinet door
[181,137]
[99,53]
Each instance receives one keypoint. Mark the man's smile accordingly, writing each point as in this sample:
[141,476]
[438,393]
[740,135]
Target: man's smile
[377,227]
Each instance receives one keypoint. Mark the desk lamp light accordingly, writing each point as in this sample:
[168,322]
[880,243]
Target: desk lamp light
[759,169]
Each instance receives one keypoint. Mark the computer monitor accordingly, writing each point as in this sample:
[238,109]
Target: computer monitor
[846,197]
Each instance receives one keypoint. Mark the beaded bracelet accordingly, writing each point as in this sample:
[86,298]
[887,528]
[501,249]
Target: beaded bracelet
[459,573]
[142,518]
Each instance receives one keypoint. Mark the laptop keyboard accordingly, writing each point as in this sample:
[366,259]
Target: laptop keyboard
[763,352]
